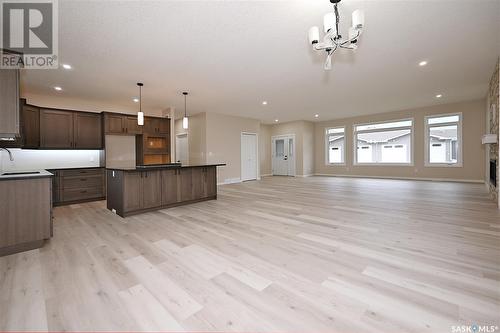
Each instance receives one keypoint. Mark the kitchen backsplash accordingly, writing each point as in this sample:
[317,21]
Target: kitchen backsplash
[28,159]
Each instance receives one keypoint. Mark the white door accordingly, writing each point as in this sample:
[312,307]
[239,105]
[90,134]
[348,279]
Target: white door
[283,156]
[248,156]
[181,149]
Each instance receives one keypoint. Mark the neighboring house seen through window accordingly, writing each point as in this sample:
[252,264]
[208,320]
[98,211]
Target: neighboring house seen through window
[443,140]
[335,145]
[384,143]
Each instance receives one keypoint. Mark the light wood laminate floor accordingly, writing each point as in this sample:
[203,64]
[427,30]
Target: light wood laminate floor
[294,255]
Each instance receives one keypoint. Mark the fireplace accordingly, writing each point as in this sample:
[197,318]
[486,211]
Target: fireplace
[493,172]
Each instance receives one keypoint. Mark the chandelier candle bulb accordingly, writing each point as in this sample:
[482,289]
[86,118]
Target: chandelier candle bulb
[329,22]
[358,19]
[314,35]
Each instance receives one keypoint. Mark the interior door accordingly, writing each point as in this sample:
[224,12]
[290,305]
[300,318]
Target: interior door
[181,148]
[248,157]
[283,156]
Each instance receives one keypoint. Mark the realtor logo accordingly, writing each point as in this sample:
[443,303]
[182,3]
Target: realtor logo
[29,28]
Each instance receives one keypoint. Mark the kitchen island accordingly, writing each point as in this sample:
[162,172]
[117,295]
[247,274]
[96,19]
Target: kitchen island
[136,190]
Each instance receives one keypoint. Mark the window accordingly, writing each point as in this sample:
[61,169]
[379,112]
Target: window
[335,145]
[384,143]
[443,135]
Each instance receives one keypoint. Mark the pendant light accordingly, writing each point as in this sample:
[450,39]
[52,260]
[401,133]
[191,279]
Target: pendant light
[185,122]
[140,114]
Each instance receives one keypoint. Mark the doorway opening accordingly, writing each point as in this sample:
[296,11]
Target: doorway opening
[283,155]
[182,148]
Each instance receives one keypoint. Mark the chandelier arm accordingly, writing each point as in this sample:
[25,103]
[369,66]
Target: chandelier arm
[350,39]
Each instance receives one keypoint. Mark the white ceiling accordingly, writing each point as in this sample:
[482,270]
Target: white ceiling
[232,55]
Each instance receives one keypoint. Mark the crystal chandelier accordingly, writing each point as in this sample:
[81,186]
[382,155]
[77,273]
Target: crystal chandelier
[333,39]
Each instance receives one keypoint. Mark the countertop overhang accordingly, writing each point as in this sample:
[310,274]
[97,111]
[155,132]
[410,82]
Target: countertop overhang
[20,176]
[165,167]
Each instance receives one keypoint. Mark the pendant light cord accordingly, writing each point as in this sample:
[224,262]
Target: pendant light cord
[140,98]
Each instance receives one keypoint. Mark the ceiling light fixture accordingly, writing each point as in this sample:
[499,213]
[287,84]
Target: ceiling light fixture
[136,100]
[264,103]
[276,120]
[439,96]
[422,63]
[66,66]
[316,116]
[58,88]
[185,121]
[140,114]
[333,39]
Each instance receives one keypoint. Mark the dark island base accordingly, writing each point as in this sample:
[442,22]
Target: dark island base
[136,191]
[177,204]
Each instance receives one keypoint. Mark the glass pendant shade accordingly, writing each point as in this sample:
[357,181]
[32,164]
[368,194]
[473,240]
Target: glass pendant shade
[140,118]
[314,35]
[358,19]
[185,122]
[329,22]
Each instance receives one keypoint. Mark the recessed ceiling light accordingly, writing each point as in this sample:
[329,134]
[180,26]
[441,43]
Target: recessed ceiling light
[422,63]
[276,120]
[439,96]
[316,116]
[136,100]
[58,88]
[264,103]
[66,66]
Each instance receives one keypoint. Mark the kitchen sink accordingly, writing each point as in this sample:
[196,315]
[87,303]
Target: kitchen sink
[20,173]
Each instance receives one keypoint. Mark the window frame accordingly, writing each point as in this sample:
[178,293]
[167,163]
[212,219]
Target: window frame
[327,152]
[412,141]
[427,128]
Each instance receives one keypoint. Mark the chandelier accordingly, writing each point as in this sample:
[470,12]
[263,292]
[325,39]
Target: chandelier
[333,39]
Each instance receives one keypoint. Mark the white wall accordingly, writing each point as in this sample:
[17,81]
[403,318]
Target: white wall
[30,160]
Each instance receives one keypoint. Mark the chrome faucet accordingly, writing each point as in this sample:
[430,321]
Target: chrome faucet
[10,153]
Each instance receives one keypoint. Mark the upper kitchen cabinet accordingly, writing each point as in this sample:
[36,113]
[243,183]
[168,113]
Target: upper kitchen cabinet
[30,129]
[114,123]
[9,104]
[121,124]
[56,129]
[87,128]
[60,129]
[153,125]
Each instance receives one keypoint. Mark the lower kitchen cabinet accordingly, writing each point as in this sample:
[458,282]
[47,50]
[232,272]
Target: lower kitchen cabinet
[151,182]
[169,187]
[77,185]
[134,191]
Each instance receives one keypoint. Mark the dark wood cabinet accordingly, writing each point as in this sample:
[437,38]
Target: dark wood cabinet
[9,102]
[197,181]
[77,185]
[60,129]
[210,182]
[132,192]
[114,123]
[185,184]
[170,187]
[30,128]
[56,129]
[154,125]
[131,126]
[87,130]
[151,189]
[121,124]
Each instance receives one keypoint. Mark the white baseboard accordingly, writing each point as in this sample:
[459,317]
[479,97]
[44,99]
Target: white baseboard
[478,181]
[230,181]
[266,175]
[303,176]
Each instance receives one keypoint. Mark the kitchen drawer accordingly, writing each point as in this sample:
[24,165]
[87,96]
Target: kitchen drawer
[81,194]
[83,181]
[80,172]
